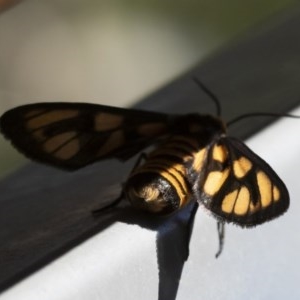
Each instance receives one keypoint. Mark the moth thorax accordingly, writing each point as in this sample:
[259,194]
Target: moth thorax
[153,193]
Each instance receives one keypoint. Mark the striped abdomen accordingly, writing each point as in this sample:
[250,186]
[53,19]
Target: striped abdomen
[161,185]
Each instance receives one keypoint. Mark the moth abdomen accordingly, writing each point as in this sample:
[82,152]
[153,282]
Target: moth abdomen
[149,191]
[161,185]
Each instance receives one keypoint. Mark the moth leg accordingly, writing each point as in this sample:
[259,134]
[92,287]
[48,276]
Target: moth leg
[221,234]
[190,226]
[143,156]
[100,210]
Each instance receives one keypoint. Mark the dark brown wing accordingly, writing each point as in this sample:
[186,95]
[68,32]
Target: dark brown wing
[238,186]
[73,135]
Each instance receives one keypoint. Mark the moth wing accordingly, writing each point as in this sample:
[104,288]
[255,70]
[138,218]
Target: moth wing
[240,187]
[73,135]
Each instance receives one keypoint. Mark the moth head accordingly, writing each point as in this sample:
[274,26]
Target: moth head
[200,125]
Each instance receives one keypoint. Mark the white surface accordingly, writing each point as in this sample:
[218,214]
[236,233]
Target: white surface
[121,262]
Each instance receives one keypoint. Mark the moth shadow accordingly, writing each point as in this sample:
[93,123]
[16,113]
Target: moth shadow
[172,244]
[48,212]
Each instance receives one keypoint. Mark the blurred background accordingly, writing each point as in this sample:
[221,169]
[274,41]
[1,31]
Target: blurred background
[110,52]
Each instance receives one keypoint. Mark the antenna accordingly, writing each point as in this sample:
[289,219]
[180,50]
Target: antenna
[260,114]
[244,116]
[210,94]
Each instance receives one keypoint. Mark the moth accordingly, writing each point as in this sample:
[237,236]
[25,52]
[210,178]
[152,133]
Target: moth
[193,158]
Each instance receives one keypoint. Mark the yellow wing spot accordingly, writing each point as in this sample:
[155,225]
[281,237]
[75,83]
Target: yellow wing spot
[214,181]
[242,202]
[39,134]
[115,141]
[51,117]
[199,160]
[33,113]
[151,129]
[58,140]
[265,188]
[276,193]
[68,151]
[219,153]
[254,208]
[106,121]
[229,201]
[241,167]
